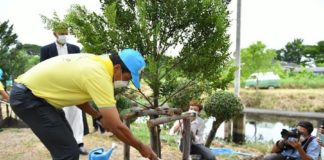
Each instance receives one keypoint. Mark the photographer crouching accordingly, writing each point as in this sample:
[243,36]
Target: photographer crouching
[296,144]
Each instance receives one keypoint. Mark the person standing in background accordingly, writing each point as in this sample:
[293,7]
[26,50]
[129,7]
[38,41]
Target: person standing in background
[75,117]
[3,93]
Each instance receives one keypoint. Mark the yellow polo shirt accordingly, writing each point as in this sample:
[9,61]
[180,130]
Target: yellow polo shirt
[72,79]
[1,87]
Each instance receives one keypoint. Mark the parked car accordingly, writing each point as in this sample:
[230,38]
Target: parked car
[263,80]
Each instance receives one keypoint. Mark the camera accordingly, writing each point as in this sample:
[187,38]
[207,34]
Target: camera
[291,135]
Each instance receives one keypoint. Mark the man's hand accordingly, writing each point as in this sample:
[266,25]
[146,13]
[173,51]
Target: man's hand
[294,143]
[101,128]
[297,145]
[111,122]
[147,152]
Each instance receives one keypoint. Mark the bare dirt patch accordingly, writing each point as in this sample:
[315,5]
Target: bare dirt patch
[22,144]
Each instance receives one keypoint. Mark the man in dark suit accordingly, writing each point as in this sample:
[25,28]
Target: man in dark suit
[74,116]
[50,50]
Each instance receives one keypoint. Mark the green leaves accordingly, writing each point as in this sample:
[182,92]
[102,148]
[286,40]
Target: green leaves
[153,27]
[8,40]
[223,106]
[293,51]
[110,14]
[257,58]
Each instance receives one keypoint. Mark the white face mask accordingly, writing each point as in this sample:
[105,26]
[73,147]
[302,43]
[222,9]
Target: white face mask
[120,83]
[62,39]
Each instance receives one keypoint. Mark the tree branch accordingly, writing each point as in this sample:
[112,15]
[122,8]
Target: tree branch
[136,101]
[176,92]
[169,69]
[146,98]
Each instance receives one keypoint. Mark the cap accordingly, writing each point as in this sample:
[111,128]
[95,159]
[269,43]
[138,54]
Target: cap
[135,63]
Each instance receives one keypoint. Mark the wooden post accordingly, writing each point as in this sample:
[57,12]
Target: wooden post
[126,146]
[161,120]
[154,139]
[152,112]
[186,139]
[153,123]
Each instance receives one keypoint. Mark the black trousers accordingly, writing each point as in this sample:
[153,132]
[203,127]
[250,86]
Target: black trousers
[47,122]
[199,149]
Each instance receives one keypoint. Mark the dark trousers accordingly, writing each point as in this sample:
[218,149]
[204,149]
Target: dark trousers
[200,149]
[48,123]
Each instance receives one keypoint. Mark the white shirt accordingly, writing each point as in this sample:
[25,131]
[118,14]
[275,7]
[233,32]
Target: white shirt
[61,50]
[197,126]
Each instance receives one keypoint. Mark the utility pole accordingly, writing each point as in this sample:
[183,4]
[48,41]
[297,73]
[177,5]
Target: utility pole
[239,121]
[237,50]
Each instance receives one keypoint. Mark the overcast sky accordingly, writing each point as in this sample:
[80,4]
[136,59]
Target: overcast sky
[274,22]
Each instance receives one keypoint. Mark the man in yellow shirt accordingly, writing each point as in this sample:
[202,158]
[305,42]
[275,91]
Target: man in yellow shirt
[76,79]
[75,117]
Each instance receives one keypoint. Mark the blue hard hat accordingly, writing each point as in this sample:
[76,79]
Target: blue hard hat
[1,73]
[135,63]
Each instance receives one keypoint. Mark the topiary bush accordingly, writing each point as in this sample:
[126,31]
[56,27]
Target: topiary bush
[222,106]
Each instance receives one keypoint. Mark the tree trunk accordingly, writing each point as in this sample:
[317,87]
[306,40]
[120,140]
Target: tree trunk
[155,131]
[126,146]
[212,133]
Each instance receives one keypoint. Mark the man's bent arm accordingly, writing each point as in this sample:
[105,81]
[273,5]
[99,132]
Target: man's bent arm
[111,121]
[4,95]
[86,107]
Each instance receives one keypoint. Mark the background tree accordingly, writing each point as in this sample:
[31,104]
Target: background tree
[32,49]
[292,52]
[8,40]
[155,28]
[319,58]
[15,58]
[21,59]
[257,58]
[314,52]
[222,106]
